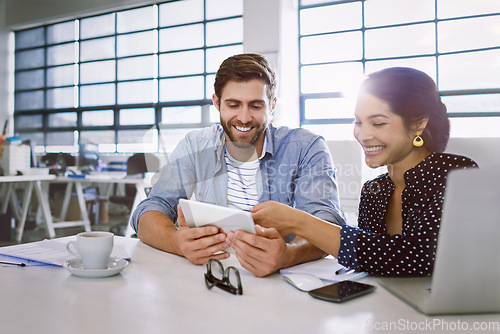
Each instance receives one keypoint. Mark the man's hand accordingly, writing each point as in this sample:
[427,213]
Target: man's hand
[199,244]
[261,254]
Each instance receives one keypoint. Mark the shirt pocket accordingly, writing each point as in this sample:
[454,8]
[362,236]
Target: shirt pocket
[281,193]
[205,191]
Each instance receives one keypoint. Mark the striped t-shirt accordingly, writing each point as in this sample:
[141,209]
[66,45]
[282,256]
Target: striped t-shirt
[241,183]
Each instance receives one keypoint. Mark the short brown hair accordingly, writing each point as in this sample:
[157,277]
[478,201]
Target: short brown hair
[245,67]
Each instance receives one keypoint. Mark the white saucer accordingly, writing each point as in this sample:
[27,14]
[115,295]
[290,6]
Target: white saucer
[115,265]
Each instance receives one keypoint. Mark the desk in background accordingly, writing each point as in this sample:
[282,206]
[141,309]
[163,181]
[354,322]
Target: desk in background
[20,208]
[141,184]
[164,293]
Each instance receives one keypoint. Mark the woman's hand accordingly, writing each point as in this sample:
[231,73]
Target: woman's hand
[283,218]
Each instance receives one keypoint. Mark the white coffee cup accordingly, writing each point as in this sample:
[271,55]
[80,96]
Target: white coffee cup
[93,248]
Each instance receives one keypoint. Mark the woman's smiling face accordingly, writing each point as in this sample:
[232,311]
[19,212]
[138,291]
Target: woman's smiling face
[382,134]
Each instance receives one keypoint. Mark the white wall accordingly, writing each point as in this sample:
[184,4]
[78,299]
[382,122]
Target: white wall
[261,25]
[270,28]
[485,151]
[352,172]
[348,161]
[289,58]
[4,67]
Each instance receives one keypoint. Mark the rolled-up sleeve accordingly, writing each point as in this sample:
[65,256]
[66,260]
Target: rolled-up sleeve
[177,180]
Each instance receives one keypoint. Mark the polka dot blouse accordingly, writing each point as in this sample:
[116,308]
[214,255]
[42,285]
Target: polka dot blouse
[370,248]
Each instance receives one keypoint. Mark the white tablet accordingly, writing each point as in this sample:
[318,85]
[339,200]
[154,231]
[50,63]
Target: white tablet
[229,219]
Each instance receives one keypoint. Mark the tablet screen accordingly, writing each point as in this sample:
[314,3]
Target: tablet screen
[228,219]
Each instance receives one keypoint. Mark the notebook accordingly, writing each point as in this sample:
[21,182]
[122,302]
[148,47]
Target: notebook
[466,277]
[327,269]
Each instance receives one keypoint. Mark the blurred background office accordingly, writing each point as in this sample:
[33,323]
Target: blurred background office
[134,76]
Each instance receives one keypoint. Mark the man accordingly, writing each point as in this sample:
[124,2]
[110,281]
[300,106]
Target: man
[239,163]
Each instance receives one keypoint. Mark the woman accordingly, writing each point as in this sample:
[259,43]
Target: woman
[401,123]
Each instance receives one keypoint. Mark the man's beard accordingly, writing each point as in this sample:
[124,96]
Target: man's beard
[241,144]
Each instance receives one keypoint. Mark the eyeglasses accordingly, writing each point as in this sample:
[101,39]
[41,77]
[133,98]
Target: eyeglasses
[227,280]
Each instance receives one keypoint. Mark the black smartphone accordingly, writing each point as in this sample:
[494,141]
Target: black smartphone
[342,291]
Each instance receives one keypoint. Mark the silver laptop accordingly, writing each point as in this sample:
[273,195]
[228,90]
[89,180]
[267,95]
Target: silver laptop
[466,277]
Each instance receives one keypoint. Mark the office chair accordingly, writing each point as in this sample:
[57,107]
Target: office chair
[141,163]
[58,162]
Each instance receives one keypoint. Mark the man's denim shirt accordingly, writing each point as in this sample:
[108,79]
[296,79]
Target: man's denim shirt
[296,170]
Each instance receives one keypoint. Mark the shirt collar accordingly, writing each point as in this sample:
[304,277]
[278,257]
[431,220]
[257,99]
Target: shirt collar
[219,142]
[269,142]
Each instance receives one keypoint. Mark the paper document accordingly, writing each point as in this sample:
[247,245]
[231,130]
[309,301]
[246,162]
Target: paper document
[325,269]
[12,261]
[50,252]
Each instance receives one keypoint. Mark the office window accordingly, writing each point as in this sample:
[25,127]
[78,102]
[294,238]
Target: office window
[456,42]
[114,79]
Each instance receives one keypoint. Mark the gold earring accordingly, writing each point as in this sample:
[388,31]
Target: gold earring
[418,141]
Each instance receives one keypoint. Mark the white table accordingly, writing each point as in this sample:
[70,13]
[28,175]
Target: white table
[20,209]
[163,293]
[140,184]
